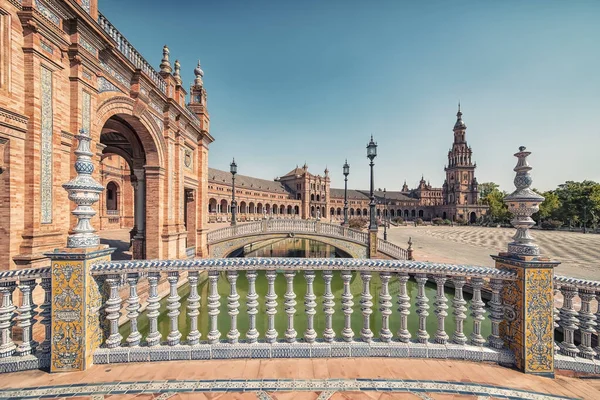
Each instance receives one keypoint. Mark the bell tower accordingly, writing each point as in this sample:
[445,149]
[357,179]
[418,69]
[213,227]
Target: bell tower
[198,99]
[460,187]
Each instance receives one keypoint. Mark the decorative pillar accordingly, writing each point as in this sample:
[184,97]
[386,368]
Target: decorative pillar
[528,325]
[139,237]
[76,296]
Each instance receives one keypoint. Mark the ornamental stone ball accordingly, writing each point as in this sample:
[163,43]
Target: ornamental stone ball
[522,204]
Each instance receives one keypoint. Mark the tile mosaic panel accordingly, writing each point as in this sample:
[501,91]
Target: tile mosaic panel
[539,321]
[104,85]
[46,47]
[86,104]
[67,315]
[114,74]
[47,125]
[170,178]
[85,4]
[88,46]
[46,12]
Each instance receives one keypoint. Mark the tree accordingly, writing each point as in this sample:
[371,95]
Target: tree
[494,198]
[549,208]
[580,202]
[486,188]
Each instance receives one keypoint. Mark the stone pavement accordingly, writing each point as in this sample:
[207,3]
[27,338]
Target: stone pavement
[337,378]
[578,253]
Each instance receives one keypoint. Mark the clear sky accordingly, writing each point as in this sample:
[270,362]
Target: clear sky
[311,80]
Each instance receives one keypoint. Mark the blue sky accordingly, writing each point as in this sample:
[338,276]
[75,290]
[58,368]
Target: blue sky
[311,80]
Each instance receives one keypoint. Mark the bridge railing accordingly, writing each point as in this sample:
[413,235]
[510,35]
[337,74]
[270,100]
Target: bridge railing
[391,249]
[288,225]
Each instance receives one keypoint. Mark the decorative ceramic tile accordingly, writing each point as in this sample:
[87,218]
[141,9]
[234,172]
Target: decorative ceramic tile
[114,74]
[47,126]
[46,47]
[85,4]
[86,104]
[104,85]
[88,46]
[46,12]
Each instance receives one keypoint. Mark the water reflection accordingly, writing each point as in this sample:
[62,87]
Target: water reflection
[290,247]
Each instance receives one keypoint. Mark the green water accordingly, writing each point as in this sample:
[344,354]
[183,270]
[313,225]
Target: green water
[300,290]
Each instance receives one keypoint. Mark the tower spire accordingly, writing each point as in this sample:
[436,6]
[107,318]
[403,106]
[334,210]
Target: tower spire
[177,73]
[165,64]
[199,74]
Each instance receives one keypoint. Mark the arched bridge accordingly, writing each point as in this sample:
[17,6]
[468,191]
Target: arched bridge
[224,241]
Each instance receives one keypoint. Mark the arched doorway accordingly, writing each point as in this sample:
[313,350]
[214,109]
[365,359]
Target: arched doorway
[112,197]
[212,206]
[444,216]
[420,213]
[473,218]
[141,147]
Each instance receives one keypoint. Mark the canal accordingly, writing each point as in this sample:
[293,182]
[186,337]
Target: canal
[296,247]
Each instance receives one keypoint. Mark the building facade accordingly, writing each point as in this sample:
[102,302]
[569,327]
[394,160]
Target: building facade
[64,68]
[301,194]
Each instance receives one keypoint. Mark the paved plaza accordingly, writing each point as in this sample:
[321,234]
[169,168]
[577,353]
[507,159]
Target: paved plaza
[335,379]
[578,253]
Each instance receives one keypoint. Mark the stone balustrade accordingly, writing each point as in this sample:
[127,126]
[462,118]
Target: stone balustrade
[392,250]
[226,340]
[579,320]
[127,50]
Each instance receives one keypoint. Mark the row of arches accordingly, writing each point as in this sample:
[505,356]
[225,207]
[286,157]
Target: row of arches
[391,213]
[243,207]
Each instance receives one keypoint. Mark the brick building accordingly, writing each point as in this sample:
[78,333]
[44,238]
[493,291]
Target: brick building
[64,67]
[301,194]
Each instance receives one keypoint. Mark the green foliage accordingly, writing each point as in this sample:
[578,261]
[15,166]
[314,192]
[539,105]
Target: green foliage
[447,222]
[551,224]
[437,221]
[579,203]
[498,211]
[398,220]
[419,221]
[549,207]
[486,188]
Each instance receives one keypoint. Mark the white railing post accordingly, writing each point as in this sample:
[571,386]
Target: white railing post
[26,317]
[7,309]
[133,307]
[213,307]
[404,308]
[233,307]
[422,307]
[366,307]
[385,303]
[113,312]
[477,312]
[193,306]
[441,337]
[347,305]
[309,302]
[588,324]
[252,304]
[460,310]
[569,322]
[328,304]
[46,315]
[496,313]
[173,305]
[271,305]
[154,336]
[290,303]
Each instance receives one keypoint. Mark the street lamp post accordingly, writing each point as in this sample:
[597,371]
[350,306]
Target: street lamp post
[233,170]
[385,216]
[346,173]
[371,154]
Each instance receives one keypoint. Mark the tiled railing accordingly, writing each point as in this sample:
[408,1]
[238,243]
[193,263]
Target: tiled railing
[127,50]
[579,323]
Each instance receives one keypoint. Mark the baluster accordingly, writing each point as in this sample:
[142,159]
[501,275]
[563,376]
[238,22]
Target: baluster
[385,303]
[154,336]
[441,337]
[422,307]
[404,308]
[193,306]
[290,303]
[328,304]
[496,313]
[46,314]
[587,325]
[347,305]
[271,304]
[233,306]
[460,309]
[173,306]
[7,311]
[365,307]
[26,317]
[113,311]
[133,306]
[569,322]
[252,304]
[557,317]
[309,302]
[213,306]
[477,312]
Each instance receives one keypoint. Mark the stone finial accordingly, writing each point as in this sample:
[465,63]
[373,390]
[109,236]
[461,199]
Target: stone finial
[199,74]
[84,191]
[177,72]
[165,64]
[523,203]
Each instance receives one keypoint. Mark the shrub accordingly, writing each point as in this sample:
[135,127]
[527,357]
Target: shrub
[358,223]
[419,221]
[447,222]
[460,221]
[398,220]
[551,224]
[437,221]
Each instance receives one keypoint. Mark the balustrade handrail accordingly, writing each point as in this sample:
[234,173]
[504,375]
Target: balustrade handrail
[245,264]
[579,283]
[127,50]
[30,273]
